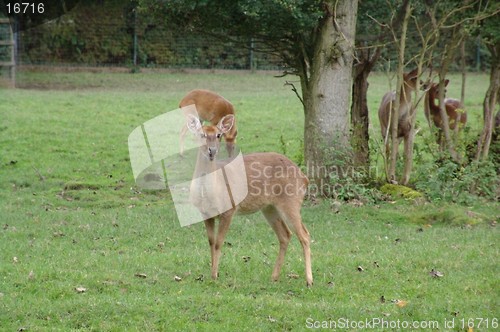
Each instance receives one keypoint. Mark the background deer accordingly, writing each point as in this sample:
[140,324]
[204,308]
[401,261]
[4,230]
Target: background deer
[211,107]
[276,186]
[457,118]
[404,124]
[405,106]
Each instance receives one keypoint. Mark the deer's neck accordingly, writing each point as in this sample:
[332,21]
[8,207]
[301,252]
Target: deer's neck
[433,107]
[405,101]
[206,187]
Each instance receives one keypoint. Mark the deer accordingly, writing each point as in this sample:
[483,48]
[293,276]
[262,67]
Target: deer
[457,118]
[406,107]
[276,186]
[211,107]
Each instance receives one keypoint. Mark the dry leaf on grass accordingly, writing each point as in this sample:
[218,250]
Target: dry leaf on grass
[400,303]
[80,289]
[436,274]
[141,275]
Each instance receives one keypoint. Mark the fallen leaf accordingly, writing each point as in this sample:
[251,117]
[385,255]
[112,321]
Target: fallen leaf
[80,289]
[382,299]
[201,277]
[293,276]
[360,268]
[31,275]
[141,275]
[331,284]
[400,303]
[436,274]
[246,258]
[15,260]
[271,319]
[177,278]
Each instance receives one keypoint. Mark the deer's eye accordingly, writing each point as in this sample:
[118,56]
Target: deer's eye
[219,135]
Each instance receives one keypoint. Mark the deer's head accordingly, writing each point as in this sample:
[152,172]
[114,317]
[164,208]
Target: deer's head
[210,136]
[434,89]
[410,79]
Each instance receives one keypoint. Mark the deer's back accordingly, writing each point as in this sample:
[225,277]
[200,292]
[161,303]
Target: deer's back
[272,179]
[210,106]
[384,110]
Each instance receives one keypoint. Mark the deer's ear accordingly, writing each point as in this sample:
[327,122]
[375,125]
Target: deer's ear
[193,123]
[226,123]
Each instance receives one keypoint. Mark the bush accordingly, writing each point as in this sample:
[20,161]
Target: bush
[449,181]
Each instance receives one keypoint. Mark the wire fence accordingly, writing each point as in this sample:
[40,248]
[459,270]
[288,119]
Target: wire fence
[87,38]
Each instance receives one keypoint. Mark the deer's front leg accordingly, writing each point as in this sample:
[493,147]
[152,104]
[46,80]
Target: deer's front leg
[210,227]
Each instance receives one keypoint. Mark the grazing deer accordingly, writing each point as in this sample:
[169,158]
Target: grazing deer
[211,107]
[457,118]
[276,186]
[405,106]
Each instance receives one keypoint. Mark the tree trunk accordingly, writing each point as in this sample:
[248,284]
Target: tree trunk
[391,176]
[490,101]
[326,87]
[359,110]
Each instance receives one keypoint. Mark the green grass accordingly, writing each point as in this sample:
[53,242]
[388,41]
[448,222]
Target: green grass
[72,217]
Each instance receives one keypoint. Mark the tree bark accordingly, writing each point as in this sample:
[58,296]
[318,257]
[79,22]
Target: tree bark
[391,176]
[326,87]
[490,101]
[359,110]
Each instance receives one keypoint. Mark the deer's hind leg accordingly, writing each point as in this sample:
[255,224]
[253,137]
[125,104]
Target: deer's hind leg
[290,213]
[284,235]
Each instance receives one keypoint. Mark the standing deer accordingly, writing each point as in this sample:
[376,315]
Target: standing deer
[276,186]
[404,119]
[211,107]
[405,106]
[456,118]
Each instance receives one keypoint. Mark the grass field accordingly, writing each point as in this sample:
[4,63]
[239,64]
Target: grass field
[82,248]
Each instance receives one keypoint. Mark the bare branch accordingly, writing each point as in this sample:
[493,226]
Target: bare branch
[294,89]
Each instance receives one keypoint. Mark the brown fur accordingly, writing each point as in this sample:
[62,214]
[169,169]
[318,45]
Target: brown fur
[276,186]
[433,112]
[211,107]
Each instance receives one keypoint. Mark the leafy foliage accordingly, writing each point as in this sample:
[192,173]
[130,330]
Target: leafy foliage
[451,182]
